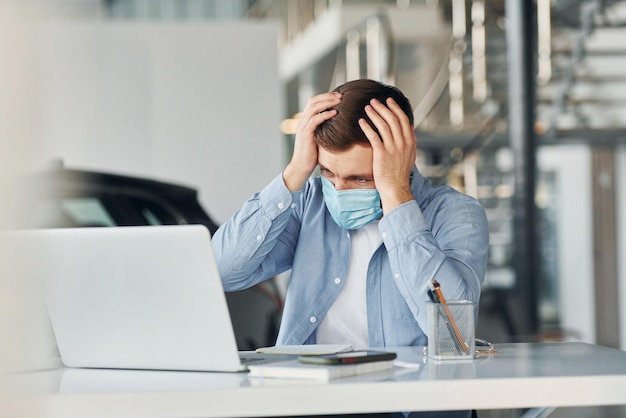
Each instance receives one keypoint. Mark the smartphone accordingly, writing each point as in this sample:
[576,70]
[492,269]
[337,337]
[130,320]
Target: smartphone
[351,357]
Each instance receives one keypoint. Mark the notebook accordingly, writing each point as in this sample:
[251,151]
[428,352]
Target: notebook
[294,369]
[135,298]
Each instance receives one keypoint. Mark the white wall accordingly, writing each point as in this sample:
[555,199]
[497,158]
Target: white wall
[24,329]
[572,165]
[197,103]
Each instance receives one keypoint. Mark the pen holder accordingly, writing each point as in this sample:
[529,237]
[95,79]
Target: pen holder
[451,330]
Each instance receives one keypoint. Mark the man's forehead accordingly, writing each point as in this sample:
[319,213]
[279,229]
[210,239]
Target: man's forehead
[357,161]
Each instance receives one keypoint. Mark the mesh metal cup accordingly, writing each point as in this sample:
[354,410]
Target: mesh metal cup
[451,330]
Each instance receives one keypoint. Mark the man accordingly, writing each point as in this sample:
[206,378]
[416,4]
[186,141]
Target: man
[365,238]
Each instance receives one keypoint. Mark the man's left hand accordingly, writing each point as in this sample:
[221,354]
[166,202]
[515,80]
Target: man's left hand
[394,151]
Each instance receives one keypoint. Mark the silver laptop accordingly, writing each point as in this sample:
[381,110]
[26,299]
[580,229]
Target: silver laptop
[135,297]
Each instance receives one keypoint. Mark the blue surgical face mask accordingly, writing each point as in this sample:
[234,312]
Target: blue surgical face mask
[353,208]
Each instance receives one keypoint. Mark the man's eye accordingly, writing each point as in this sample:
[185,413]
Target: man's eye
[362,180]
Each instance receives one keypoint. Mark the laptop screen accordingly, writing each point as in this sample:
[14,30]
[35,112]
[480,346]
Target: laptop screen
[146,297]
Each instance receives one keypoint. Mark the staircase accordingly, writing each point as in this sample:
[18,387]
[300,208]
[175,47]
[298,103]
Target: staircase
[457,78]
[588,90]
[448,56]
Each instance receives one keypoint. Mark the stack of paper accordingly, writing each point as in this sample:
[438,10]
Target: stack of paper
[294,369]
[308,349]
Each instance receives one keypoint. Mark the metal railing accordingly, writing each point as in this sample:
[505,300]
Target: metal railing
[366,51]
[588,11]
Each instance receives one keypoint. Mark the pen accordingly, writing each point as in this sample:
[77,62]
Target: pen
[436,296]
[432,296]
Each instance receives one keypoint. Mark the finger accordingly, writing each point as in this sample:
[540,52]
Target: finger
[385,122]
[315,118]
[392,119]
[386,113]
[319,118]
[407,129]
[316,110]
[370,134]
[395,108]
[321,103]
[384,130]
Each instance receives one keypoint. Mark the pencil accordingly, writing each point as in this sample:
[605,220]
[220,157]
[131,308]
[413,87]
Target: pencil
[450,322]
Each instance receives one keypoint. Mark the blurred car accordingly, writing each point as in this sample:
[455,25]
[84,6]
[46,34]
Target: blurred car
[60,197]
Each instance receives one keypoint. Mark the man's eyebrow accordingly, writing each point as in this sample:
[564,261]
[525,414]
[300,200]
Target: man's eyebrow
[361,176]
[323,167]
[351,176]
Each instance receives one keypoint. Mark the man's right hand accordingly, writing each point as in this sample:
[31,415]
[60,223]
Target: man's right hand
[304,159]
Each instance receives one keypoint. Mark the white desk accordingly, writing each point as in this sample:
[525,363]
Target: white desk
[520,376]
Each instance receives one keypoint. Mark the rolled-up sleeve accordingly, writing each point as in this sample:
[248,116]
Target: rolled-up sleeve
[256,243]
[450,246]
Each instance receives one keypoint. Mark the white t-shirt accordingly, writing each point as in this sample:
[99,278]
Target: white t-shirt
[346,320]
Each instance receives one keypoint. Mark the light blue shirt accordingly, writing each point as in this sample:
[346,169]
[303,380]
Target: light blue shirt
[442,235]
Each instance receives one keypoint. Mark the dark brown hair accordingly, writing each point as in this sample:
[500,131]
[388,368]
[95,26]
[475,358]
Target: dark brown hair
[342,131]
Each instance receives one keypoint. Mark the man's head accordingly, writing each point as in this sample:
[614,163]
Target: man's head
[342,131]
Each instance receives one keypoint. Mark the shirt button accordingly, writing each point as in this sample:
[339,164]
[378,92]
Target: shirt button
[281,205]
[396,275]
[384,234]
[312,319]
[337,280]
[259,237]
[293,206]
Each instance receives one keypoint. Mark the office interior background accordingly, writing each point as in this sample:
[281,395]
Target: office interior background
[521,104]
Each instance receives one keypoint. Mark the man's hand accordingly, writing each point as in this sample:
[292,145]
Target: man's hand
[394,151]
[304,159]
